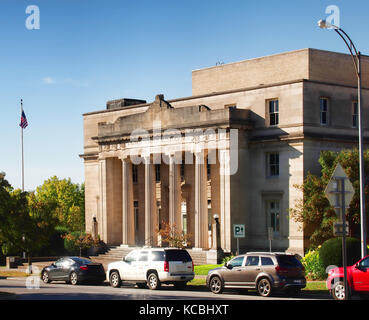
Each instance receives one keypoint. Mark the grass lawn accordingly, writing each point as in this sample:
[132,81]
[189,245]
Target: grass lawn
[204,269]
[4,273]
[316,286]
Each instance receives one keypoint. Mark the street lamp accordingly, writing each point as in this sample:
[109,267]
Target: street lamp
[357,63]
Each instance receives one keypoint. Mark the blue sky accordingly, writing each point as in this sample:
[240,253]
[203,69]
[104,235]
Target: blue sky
[87,52]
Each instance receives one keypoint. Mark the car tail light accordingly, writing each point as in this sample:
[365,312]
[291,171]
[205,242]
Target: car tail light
[281,270]
[84,267]
[166,266]
[193,267]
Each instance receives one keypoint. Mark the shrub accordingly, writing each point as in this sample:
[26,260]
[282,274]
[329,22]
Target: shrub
[313,266]
[78,242]
[331,252]
[227,258]
[70,244]
[173,236]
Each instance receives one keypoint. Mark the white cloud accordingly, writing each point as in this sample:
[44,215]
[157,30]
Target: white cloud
[48,80]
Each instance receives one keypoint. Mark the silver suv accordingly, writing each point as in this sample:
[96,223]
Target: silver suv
[262,271]
[152,267]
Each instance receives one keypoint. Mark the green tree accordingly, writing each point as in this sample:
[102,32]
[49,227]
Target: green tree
[69,198]
[25,225]
[314,211]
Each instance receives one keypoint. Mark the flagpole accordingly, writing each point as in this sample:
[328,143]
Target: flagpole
[22,149]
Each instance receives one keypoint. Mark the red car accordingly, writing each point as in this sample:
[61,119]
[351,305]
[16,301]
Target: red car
[357,279]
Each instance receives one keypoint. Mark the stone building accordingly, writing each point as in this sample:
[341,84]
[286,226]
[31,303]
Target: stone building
[250,131]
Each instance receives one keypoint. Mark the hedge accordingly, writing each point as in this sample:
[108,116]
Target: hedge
[331,252]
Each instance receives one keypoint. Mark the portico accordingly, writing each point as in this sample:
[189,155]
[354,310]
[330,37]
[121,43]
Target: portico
[172,169]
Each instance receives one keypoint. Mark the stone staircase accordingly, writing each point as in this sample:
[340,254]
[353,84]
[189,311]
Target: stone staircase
[198,256]
[116,253]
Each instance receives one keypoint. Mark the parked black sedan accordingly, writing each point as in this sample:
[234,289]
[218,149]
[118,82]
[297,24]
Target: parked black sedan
[74,270]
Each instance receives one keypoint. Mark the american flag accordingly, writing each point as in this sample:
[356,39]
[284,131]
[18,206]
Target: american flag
[23,124]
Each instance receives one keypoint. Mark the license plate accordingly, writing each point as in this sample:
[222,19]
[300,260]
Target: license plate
[297,281]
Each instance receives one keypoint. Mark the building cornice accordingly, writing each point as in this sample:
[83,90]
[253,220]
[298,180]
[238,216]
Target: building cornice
[218,93]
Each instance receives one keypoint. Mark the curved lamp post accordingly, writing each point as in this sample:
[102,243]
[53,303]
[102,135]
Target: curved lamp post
[357,63]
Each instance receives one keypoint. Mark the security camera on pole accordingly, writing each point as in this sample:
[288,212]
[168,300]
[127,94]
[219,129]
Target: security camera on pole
[339,192]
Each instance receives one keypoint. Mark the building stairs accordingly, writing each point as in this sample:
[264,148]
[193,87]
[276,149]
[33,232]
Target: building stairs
[116,253]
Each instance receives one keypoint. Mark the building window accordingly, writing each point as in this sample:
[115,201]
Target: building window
[157,172]
[273,164]
[355,114]
[134,173]
[135,212]
[184,216]
[323,111]
[274,215]
[273,106]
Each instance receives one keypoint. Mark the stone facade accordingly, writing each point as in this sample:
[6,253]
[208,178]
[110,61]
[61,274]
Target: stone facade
[235,148]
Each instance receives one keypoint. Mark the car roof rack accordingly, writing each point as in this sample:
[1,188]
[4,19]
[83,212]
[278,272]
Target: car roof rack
[267,252]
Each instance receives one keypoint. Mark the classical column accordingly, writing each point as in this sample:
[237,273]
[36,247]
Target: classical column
[201,203]
[103,211]
[225,197]
[150,203]
[174,193]
[215,192]
[128,230]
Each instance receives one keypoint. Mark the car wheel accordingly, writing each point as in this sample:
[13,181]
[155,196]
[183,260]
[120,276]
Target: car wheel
[264,287]
[153,281]
[73,278]
[216,285]
[115,280]
[338,291]
[45,277]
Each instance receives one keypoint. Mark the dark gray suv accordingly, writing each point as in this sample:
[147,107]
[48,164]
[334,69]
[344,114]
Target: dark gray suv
[262,271]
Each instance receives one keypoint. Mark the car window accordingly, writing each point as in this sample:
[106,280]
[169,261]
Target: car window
[132,256]
[236,262]
[59,263]
[288,261]
[66,263]
[157,256]
[143,256]
[252,261]
[364,263]
[177,255]
[266,261]
[79,261]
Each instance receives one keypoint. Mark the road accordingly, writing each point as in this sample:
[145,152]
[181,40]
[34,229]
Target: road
[62,291]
